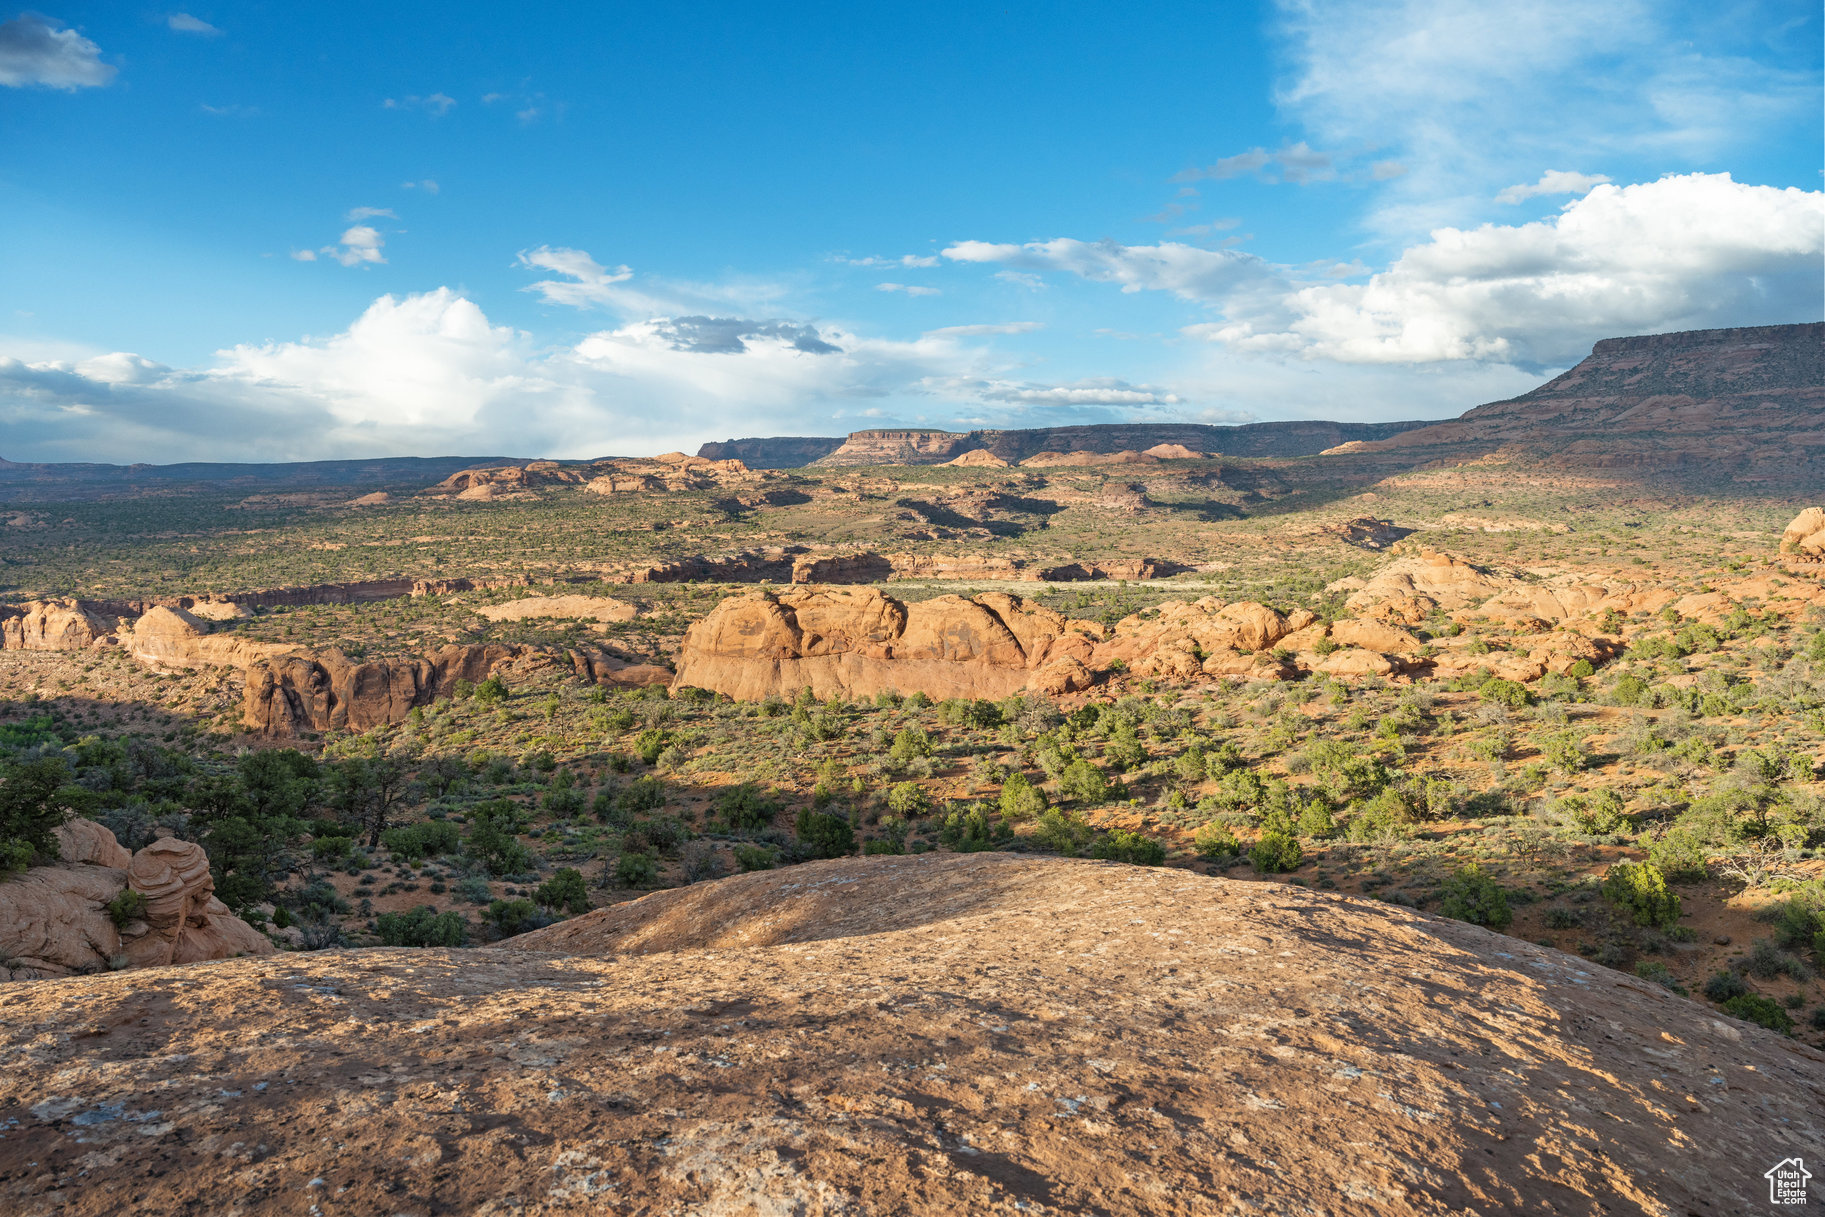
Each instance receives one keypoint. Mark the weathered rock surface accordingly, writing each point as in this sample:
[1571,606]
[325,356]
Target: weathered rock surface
[169,638]
[51,625]
[931,1035]
[584,608]
[978,458]
[1805,536]
[859,643]
[54,920]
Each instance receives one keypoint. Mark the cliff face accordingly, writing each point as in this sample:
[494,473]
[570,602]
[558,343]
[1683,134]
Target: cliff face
[1725,399]
[777,452]
[921,447]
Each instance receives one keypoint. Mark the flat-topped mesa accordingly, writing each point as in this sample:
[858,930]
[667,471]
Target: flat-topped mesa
[844,643]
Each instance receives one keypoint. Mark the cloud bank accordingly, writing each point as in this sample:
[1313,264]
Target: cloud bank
[36,51]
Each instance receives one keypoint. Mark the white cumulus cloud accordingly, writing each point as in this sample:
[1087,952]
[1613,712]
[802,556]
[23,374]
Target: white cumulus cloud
[1553,181]
[35,50]
[360,244]
[1685,252]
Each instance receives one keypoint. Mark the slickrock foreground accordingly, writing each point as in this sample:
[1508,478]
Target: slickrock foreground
[957,1034]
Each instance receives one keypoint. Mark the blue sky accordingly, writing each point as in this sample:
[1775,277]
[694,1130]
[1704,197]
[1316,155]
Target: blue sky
[264,231]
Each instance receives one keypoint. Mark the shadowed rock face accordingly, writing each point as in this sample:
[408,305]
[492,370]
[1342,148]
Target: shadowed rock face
[925,1036]
[1176,441]
[1724,399]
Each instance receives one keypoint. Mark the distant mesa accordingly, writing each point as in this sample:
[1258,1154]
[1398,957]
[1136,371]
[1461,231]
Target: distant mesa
[978,458]
[1735,400]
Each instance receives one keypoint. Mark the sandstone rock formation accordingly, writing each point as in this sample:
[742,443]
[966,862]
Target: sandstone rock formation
[1805,536]
[926,447]
[54,920]
[845,643]
[51,625]
[170,638]
[978,458]
[1173,452]
[927,1036]
[584,608]
[1183,641]
[299,691]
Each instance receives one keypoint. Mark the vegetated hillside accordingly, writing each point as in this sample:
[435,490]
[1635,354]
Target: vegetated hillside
[930,1035]
[1748,400]
[886,446]
[26,481]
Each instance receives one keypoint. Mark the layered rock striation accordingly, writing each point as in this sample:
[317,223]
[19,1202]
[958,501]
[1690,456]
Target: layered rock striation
[55,920]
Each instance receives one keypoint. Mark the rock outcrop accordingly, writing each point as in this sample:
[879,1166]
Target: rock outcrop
[927,1036]
[845,643]
[907,446]
[170,638]
[52,625]
[573,608]
[299,691]
[55,920]
[1805,537]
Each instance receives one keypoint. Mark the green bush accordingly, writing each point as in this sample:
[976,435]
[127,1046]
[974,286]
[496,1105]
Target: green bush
[491,691]
[1564,749]
[564,890]
[823,835]
[755,857]
[1510,693]
[1214,840]
[1083,782]
[126,908]
[909,745]
[1020,799]
[969,830]
[636,869]
[650,743]
[1640,891]
[1754,1008]
[1123,846]
[425,839]
[493,838]
[510,917]
[1725,985]
[1061,832]
[1276,852]
[1631,690]
[1679,854]
[1597,812]
[745,808]
[35,797]
[423,926]
[908,799]
[332,850]
[1470,895]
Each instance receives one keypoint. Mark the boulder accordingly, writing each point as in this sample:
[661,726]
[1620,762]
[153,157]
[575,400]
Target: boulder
[54,920]
[1805,536]
[1374,636]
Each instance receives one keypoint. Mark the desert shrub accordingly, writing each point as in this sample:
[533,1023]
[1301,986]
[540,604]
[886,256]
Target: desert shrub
[1564,749]
[1020,799]
[1470,895]
[969,830]
[745,808]
[1316,821]
[1768,961]
[1679,854]
[493,838]
[332,850]
[1654,970]
[491,691]
[1342,772]
[1222,759]
[1214,840]
[1561,918]
[563,802]
[661,834]
[636,869]
[755,857]
[564,890]
[1799,921]
[1754,1008]
[126,908]
[908,799]
[641,795]
[1388,814]
[650,743]
[1276,852]
[510,917]
[1124,748]
[425,839]
[35,797]
[969,712]
[1639,891]
[1238,790]
[1631,690]
[1060,832]
[701,860]
[1597,812]
[1083,782]
[909,745]
[824,835]
[423,926]
[1123,846]
[1510,693]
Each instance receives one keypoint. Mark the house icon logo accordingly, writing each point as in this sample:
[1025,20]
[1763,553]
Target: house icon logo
[1787,1181]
